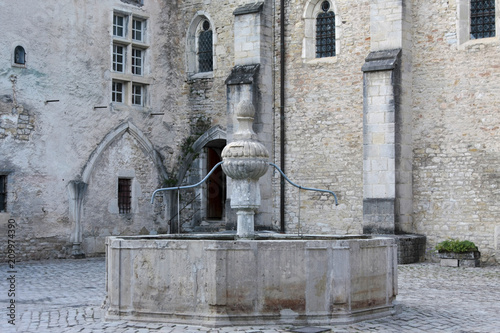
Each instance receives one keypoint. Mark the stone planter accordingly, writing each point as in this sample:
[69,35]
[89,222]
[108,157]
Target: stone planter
[466,259]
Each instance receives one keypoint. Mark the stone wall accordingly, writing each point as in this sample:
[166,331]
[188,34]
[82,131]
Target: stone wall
[324,121]
[50,127]
[455,136]
[51,130]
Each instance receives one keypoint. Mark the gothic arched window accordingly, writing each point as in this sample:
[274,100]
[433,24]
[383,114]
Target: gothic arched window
[325,32]
[205,48]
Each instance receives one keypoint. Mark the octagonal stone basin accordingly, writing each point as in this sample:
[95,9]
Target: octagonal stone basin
[217,280]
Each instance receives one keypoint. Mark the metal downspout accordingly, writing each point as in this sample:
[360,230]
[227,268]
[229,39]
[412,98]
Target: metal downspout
[282,114]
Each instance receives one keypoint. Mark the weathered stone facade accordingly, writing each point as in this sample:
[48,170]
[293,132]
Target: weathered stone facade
[414,146]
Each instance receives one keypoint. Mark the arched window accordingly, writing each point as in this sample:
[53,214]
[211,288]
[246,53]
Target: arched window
[205,45]
[322,31]
[200,51]
[325,32]
[19,55]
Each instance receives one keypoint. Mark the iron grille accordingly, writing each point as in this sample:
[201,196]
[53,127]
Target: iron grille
[482,18]
[205,56]
[124,195]
[3,193]
[325,35]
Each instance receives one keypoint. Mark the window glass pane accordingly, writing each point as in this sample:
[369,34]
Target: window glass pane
[124,195]
[117,92]
[137,94]
[138,30]
[482,19]
[3,193]
[325,35]
[19,55]
[137,61]
[205,54]
[118,26]
[118,58]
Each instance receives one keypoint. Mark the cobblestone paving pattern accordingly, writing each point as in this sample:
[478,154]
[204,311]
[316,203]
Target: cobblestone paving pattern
[66,296]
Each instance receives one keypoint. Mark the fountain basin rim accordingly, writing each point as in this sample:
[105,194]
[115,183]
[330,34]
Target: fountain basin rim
[234,237]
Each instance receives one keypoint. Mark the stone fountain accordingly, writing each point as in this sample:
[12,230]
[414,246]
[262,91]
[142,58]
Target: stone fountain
[250,278]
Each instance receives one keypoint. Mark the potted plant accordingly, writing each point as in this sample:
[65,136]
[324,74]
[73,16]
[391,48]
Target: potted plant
[456,253]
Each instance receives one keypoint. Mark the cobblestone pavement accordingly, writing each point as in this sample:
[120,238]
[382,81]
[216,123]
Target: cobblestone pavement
[66,296]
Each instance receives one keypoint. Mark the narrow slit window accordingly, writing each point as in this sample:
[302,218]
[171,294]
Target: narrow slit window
[19,55]
[325,32]
[124,195]
[205,52]
[3,193]
[117,92]
[482,19]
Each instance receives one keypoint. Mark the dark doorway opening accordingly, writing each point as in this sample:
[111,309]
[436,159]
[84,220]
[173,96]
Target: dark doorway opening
[216,188]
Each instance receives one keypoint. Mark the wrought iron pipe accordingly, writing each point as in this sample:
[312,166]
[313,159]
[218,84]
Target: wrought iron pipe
[305,188]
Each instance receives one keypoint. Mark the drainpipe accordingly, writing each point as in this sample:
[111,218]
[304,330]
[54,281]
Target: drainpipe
[282,113]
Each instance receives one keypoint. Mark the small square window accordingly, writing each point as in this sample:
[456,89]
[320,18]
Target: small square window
[124,195]
[138,94]
[138,30]
[117,92]
[118,58]
[119,25]
[137,61]
[3,193]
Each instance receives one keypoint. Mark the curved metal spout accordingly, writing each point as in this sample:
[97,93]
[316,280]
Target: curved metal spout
[186,186]
[305,188]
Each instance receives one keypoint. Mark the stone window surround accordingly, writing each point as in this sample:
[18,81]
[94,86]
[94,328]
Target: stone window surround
[312,9]
[195,27]
[463,26]
[127,77]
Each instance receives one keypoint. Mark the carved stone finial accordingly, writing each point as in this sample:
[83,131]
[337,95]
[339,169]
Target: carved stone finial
[245,161]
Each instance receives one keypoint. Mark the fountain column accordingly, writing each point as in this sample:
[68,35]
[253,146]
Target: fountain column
[245,161]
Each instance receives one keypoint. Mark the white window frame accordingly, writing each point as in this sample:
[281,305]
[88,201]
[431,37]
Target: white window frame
[137,61]
[123,26]
[311,12]
[464,22]
[134,71]
[115,92]
[116,55]
[138,94]
[142,31]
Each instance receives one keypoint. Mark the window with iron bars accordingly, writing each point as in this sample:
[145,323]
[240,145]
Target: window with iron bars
[124,195]
[325,32]
[482,19]
[205,52]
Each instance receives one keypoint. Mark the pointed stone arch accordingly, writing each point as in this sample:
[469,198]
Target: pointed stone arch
[213,134]
[77,188]
[114,135]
